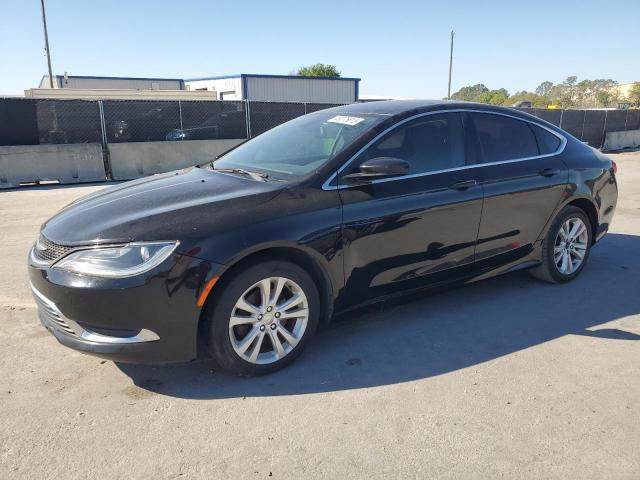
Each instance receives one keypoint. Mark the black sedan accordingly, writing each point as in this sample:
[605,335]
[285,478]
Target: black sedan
[246,256]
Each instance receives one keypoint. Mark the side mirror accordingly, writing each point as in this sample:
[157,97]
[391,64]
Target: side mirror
[380,167]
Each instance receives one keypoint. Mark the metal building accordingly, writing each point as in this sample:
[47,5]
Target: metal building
[112,83]
[279,88]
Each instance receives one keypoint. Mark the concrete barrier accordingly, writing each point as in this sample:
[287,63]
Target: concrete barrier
[76,163]
[621,140]
[135,160]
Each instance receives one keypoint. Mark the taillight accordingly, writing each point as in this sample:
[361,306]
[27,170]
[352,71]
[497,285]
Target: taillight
[614,166]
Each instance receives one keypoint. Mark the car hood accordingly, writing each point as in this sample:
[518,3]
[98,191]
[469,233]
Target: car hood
[185,205]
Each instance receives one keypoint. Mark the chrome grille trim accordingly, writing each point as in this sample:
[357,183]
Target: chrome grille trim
[50,315]
[46,252]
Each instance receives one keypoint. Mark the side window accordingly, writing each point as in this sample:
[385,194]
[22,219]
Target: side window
[547,141]
[430,143]
[504,138]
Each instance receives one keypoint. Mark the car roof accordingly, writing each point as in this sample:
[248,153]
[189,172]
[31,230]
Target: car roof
[394,107]
[396,110]
[405,108]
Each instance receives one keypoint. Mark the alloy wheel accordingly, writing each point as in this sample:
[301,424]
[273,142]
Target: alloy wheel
[570,246]
[268,320]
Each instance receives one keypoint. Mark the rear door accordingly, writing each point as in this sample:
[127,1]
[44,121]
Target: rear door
[523,181]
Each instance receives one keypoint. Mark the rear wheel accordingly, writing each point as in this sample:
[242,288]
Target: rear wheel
[566,247]
[263,318]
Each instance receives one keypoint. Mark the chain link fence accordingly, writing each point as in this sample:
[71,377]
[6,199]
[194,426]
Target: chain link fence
[71,121]
[52,121]
[18,122]
[48,121]
[589,126]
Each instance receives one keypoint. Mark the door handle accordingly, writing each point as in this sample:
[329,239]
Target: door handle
[463,185]
[549,172]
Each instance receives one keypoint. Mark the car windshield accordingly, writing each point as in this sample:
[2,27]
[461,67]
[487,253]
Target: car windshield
[297,148]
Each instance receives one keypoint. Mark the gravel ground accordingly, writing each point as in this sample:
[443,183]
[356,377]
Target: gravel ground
[507,377]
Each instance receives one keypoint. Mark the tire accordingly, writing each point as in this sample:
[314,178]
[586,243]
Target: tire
[563,271]
[227,343]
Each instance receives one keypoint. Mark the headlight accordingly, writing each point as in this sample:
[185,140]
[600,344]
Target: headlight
[117,262]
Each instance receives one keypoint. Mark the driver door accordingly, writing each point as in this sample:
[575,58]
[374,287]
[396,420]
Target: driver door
[416,229]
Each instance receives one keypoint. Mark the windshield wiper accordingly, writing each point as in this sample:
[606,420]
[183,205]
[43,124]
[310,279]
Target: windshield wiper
[254,175]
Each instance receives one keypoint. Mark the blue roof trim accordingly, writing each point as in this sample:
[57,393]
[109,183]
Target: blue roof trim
[221,77]
[256,75]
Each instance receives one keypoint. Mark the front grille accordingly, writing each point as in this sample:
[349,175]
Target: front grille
[49,314]
[48,252]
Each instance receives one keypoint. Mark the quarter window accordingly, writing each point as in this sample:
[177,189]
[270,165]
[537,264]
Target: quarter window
[430,143]
[504,138]
[547,141]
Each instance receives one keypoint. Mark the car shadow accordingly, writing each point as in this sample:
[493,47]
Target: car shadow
[434,334]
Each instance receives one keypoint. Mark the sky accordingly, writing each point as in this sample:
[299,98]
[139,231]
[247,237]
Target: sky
[398,48]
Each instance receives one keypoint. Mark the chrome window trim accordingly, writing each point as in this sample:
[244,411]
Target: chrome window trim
[563,143]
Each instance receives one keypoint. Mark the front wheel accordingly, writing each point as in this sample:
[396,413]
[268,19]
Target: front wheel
[262,318]
[566,247]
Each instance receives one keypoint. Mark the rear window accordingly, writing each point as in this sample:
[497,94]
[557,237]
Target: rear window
[547,141]
[504,138]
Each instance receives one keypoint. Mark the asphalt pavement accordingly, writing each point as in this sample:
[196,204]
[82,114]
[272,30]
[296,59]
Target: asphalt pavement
[509,377]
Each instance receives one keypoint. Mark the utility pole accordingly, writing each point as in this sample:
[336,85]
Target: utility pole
[46,43]
[450,65]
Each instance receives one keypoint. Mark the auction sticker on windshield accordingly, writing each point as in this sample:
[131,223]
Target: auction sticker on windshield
[344,120]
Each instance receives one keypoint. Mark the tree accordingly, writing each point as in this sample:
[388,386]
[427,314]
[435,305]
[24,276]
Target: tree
[601,92]
[498,97]
[484,97]
[583,92]
[318,70]
[565,92]
[604,98]
[634,93]
[480,93]
[470,93]
[604,92]
[544,89]
[535,99]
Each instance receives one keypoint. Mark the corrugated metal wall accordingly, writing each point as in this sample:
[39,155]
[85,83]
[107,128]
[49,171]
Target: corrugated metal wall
[275,89]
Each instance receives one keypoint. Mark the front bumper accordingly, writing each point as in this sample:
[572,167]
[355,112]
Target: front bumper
[73,335]
[148,319]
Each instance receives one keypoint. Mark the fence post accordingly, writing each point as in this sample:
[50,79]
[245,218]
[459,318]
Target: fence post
[561,115]
[626,118]
[604,129]
[584,120]
[248,119]
[180,108]
[305,107]
[105,147]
